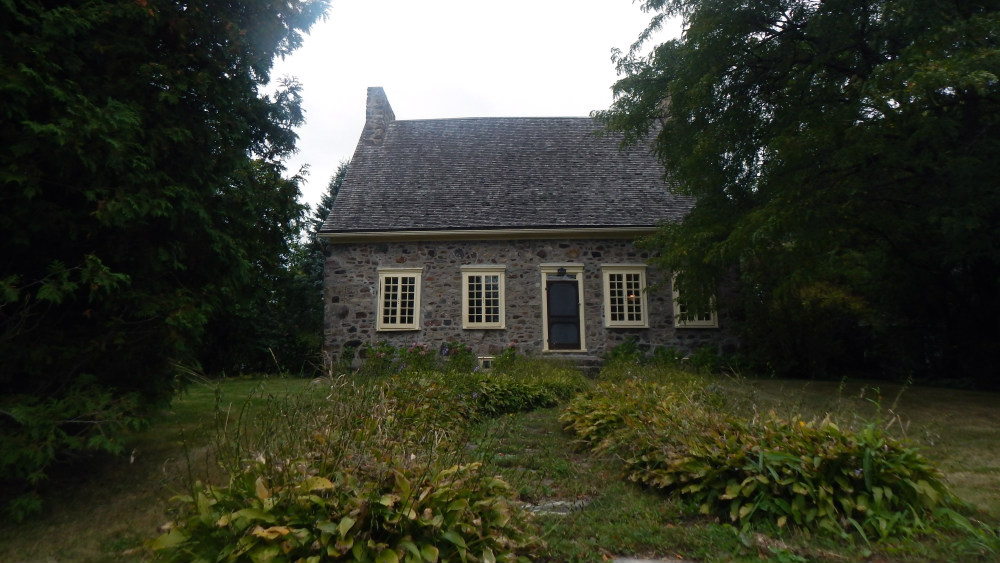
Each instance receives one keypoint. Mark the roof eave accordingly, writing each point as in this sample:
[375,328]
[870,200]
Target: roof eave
[615,232]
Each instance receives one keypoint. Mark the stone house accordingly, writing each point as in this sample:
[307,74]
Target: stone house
[500,231]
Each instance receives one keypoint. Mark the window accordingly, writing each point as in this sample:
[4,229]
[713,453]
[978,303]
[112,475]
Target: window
[483,296]
[625,296]
[684,317]
[399,298]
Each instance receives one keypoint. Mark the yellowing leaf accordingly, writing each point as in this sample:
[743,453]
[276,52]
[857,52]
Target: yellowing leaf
[745,510]
[345,525]
[316,484]
[262,492]
[271,533]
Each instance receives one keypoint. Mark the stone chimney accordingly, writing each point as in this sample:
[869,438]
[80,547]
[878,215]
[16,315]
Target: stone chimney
[378,116]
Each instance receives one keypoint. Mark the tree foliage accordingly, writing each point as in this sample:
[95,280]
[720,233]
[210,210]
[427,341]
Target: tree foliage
[843,155]
[141,197]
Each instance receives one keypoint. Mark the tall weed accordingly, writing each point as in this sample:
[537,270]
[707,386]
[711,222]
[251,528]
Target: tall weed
[369,468]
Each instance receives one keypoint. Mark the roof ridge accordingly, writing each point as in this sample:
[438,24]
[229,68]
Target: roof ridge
[498,118]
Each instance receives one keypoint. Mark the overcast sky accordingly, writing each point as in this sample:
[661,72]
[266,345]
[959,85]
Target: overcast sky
[452,58]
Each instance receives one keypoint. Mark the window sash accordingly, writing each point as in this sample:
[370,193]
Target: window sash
[684,317]
[399,300]
[482,299]
[625,302]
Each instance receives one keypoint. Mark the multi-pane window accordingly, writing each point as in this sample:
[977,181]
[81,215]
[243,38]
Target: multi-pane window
[686,317]
[625,296]
[483,296]
[399,298]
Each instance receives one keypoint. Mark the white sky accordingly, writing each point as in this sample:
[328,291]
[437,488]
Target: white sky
[452,58]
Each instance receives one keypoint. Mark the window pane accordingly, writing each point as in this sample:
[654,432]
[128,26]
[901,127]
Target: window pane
[633,288]
[491,299]
[475,299]
[616,297]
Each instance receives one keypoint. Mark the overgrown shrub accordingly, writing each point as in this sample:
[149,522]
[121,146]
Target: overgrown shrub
[417,357]
[369,469]
[458,358]
[506,359]
[767,472]
[413,513]
[383,358]
[625,352]
[522,383]
[379,359]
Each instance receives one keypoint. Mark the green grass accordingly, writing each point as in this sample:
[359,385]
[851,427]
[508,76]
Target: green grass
[105,509]
[956,428]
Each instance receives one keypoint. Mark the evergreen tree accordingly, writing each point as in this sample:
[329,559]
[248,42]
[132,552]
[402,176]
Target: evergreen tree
[142,196]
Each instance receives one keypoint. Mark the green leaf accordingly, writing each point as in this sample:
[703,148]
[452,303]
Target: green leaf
[429,552]
[387,555]
[264,553]
[732,491]
[328,527]
[454,538]
[410,547]
[345,525]
[171,539]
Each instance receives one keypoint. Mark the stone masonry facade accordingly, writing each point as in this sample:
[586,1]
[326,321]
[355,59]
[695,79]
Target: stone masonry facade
[352,281]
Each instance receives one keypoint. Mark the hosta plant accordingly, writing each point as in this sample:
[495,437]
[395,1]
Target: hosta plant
[413,514]
[764,473]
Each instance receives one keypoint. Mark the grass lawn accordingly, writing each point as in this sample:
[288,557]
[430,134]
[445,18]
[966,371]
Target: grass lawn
[104,510]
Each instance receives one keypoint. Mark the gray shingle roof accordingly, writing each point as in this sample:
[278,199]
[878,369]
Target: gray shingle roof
[500,173]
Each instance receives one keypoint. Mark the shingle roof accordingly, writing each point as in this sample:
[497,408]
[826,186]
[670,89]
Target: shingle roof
[500,173]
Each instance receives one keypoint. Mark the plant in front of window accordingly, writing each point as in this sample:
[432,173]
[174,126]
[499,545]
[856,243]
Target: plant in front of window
[666,356]
[627,352]
[381,359]
[504,360]
[417,357]
[458,358]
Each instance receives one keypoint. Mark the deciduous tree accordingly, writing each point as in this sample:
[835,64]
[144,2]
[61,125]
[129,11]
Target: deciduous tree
[844,157]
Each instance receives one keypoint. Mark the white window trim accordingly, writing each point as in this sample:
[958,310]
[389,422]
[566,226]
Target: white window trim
[484,270]
[611,269]
[548,269]
[385,272]
[680,322]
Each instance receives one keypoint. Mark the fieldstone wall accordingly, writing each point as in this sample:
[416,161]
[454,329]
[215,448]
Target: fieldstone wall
[351,295]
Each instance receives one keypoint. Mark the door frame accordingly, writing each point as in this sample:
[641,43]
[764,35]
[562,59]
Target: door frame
[572,269]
